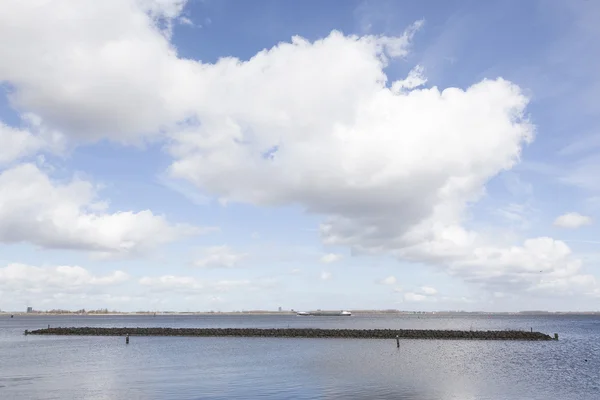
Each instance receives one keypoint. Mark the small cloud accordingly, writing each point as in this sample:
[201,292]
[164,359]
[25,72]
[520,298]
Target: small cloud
[415,297]
[186,21]
[390,280]
[422,294]
[414,79]
[255,235]
[331,258]
[295,271]
[398,289]
[572,220]
[326,275]
[428,290]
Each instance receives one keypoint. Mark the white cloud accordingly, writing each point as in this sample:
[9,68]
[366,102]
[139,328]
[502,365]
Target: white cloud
[21,279]
[17,143]
[109,71]
[331,258]
[392,165]
[219,257]
[120,77]
[572,220]
[428,290]
[401,166]
[168,9]
[186,21]
[422,294]
[325,275]
[535,266]
[390,280]
[414,79]
[73,287]
[572,285]
[31,138]
[417,297]
[67,215]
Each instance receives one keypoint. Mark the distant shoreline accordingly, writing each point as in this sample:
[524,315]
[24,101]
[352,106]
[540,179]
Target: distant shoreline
[289,313]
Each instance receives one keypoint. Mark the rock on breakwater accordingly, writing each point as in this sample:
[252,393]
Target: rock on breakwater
[299,333]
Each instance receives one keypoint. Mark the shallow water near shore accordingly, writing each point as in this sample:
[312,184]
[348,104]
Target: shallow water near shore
[66,367]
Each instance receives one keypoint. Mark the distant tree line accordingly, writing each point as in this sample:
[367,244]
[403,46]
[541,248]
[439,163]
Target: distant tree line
[81,311]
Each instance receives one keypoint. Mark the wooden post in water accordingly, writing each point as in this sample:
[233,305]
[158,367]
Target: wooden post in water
[397,341]
[127,339]
[556,336]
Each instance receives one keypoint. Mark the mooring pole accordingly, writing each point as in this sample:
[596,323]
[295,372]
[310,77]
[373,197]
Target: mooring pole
[556,336]
[127,339]
[397,341]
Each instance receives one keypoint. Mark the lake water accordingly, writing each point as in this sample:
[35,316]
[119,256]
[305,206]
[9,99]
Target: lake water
[47,367]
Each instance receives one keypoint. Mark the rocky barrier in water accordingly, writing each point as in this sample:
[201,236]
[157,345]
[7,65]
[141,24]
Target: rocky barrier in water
[298,333]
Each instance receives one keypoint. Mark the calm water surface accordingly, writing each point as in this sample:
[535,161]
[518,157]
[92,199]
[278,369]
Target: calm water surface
[34,367]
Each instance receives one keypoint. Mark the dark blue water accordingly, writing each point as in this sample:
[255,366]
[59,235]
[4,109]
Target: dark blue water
[39,367]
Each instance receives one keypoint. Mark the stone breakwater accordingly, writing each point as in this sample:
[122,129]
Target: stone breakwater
[298,333]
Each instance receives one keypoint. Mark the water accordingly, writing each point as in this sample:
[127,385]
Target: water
[40,367]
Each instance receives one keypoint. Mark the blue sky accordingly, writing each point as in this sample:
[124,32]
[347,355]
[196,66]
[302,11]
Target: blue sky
[133,175]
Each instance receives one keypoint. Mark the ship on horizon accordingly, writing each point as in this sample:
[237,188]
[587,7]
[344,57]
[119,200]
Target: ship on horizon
[324,313]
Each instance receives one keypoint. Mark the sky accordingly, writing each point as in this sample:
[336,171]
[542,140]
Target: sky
[224,155]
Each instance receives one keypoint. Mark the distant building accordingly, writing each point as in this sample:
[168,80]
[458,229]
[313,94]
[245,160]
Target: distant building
[279,309]
[29,309]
